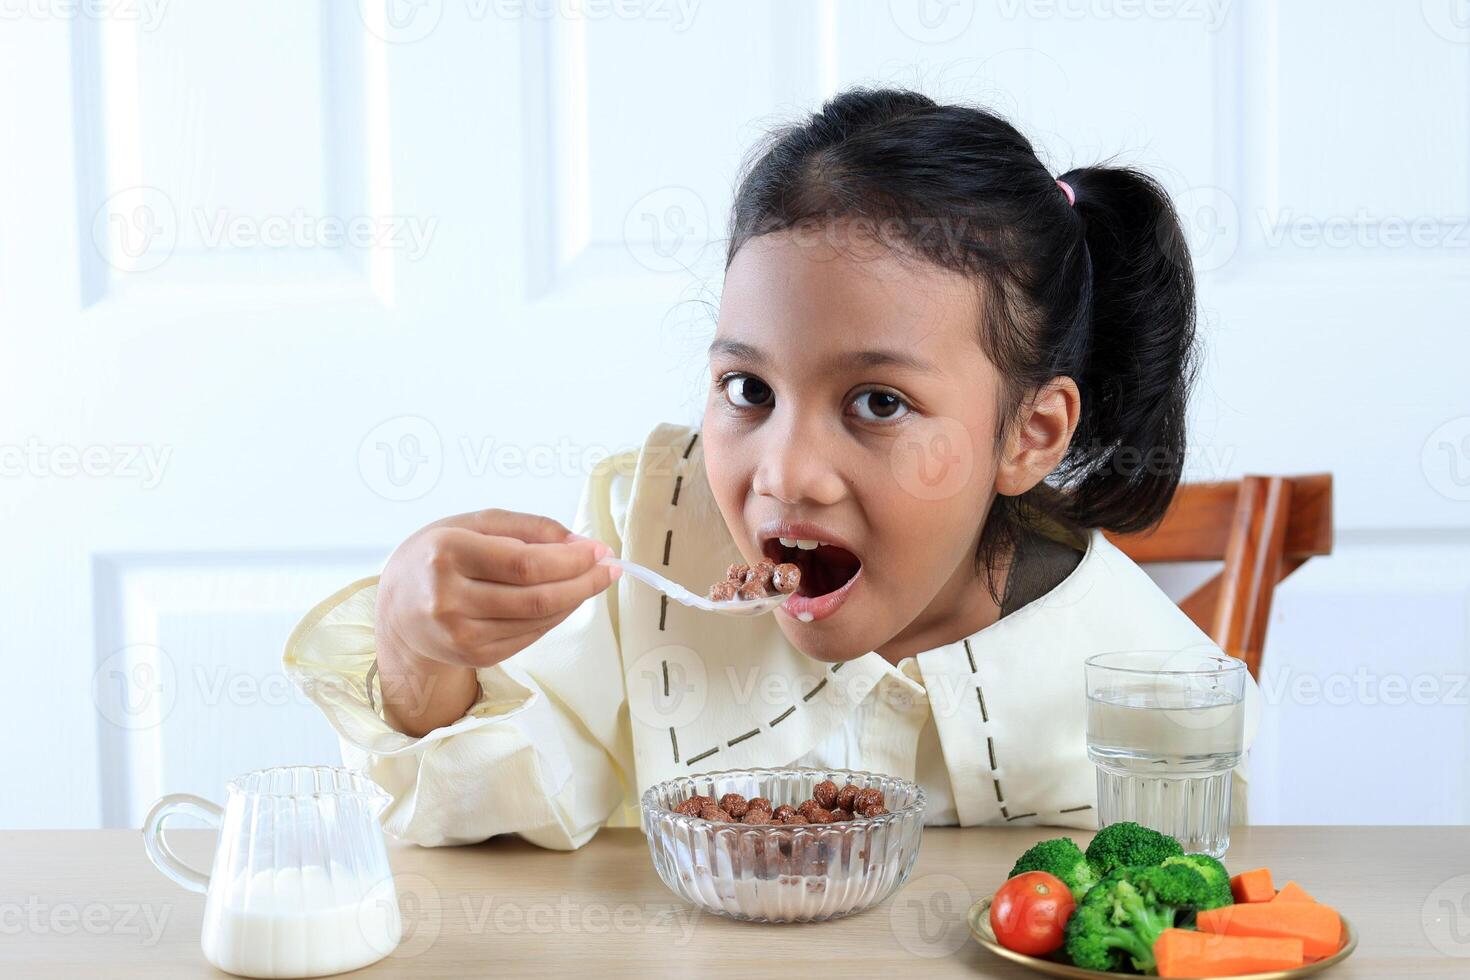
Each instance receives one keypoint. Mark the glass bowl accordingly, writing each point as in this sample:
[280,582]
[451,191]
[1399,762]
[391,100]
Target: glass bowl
[780,873]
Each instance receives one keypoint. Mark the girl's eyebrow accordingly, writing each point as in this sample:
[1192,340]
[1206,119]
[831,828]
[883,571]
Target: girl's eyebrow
[858,358]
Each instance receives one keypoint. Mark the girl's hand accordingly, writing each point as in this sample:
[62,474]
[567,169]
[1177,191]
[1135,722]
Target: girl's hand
[470,591]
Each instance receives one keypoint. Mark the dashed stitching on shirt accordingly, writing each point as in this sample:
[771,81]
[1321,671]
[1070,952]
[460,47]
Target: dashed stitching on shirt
[781,717]
[678,482]
[668,545]
[1075,809]
[674,740]
[969,653]
[740,738]
[704,755]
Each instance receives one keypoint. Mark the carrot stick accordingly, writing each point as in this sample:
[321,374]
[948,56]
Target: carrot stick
[1186,953]
[1292,892]
[1318,926]
[1253,886]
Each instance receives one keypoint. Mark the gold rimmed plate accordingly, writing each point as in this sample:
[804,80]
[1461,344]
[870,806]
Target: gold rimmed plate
[978,919]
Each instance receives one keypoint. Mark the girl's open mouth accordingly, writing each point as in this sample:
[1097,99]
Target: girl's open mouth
[828,574]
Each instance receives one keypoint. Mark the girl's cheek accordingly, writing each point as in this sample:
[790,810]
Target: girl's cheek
[934,460]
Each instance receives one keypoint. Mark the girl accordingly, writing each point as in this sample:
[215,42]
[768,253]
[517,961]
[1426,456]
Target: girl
[937,373]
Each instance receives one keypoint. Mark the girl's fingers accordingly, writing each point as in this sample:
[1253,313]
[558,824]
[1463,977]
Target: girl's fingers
[496,600]
[512,562]
[483,636]
[530,528]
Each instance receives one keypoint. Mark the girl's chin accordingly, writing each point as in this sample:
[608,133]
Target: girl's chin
[823,648]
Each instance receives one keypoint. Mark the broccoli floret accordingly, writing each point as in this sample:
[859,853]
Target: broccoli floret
[1214,874]
[1127,845]
[1063,858]
[1117,922]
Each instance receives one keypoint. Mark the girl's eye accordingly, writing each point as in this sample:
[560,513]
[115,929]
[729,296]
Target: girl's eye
[746,391]
[879,406]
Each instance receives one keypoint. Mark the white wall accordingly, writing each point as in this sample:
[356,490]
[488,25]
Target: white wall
[550,193]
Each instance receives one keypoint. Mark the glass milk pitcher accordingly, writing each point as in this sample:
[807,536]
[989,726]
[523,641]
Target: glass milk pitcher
[300,885]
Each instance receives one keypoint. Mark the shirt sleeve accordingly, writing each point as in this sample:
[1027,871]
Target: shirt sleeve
[543,752]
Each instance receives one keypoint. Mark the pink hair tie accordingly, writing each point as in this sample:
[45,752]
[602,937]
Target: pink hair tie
[1067,190]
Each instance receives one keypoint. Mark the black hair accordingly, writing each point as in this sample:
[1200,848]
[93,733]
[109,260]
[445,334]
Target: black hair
[1101,291]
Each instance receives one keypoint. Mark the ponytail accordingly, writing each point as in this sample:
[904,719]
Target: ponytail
[1128,451]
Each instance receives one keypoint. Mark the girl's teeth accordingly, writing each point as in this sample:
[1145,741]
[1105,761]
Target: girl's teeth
[788,542]
[803,544]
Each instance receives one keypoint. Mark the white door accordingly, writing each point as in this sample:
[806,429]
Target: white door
[282,281]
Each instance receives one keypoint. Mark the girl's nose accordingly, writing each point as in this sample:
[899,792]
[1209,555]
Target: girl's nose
[797,466]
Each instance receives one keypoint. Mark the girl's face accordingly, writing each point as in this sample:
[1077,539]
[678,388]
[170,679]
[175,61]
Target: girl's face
[851,405]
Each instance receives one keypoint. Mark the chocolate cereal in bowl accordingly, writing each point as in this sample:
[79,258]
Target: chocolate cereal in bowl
[784,845]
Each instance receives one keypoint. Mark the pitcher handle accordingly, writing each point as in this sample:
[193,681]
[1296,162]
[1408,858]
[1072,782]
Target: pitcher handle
[163,856]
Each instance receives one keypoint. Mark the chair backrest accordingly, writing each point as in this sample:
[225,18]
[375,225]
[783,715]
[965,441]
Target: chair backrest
[1262,527]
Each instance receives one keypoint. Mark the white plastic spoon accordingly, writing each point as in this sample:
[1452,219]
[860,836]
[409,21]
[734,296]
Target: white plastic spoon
[677,592]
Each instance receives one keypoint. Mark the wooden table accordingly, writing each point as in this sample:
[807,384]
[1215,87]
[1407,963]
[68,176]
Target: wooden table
[88,904]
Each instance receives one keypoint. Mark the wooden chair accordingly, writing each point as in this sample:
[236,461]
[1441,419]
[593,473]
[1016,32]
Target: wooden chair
[1262,527]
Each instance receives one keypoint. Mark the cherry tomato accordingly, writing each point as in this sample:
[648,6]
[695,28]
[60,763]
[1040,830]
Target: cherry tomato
[1030,913]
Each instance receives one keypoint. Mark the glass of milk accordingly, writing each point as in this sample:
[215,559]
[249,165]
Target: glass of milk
[1164,730]
[300,884]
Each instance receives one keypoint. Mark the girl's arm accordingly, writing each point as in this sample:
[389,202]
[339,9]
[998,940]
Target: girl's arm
[466,593]
[535,744]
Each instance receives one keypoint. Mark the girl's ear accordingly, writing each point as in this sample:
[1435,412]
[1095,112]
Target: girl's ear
[1038,437]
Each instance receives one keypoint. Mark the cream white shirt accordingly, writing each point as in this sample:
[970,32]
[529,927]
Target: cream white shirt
[632,689]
